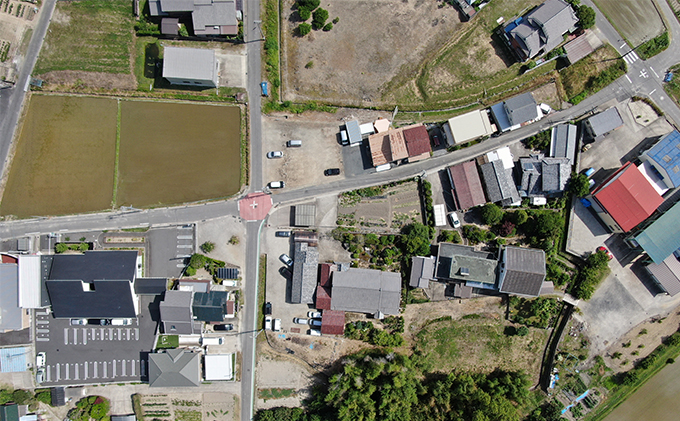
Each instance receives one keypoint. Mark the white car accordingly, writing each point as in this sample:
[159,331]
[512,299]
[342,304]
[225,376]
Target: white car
[277,185]
[268,323]
[300,321]
[40,376]
[77,322]
[40,360]
[453,219]
[314,314]
[277,325]
[274,154]
[314,332]
[315,323]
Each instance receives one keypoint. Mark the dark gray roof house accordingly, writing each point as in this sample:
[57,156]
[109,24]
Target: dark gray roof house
[176,314]
[422,271]
[563,142]
[96,284]
[522,271]
[210,306]
[541,30]
[464,264]
[601,124]
[516,111]
[366,291]
[175,368]
[150,286]
[209,17]
[499,184]
[541,176]
[169,26]
[305,273]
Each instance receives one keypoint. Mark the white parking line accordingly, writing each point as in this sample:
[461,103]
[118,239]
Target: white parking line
[136,334]
[48,373]
[96,374]
[85,370]
[65,336]
[75,336]
[179,265]
[106,368]
[42,322]
[184,246]
[650,94]
[134,363]
[113,370]
[124,364]
[77,377]
[42,331]
[42,339]
[68,372]
[58,372]
[185,237]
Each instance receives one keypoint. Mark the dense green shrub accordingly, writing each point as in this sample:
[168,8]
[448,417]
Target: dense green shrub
[579,185]
[207,247]
[539,141]
[304,13]
[654,46]
[586,16]
[492,214]
[319,18]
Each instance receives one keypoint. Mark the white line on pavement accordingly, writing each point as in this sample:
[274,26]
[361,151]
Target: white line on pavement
[650,94]
[652,69]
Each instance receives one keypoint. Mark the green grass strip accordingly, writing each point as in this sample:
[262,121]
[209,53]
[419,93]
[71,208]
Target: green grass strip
[115,166]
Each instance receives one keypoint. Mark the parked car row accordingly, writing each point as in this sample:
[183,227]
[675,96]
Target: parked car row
[272,324]
[101,322]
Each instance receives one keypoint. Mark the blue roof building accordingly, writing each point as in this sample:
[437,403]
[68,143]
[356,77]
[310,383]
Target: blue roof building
[665,158]
[662,237]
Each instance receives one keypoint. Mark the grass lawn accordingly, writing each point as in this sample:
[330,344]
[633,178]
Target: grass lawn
[581,78]
[168,341]
[277,393]
[474,65]
[478,342]
[89,35]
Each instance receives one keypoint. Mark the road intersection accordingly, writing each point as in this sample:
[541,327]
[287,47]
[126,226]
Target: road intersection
[644,78]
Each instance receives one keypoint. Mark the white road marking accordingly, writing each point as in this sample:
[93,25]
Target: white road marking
[106,368]
[85,370]
[77,377]
[68,374]
[644,74]
[184,246]
[179,265]
[113,370]
[622,45]
[134,363]
[652,69]
[65,336]
[185,237]
[42,339]
[123,372]
[650,94]
[42,331]
[629,79]
[96,374]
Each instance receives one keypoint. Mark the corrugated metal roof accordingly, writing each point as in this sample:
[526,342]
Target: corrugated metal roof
[353,131]
[467,186]
[13,360]
[604,122]
[524,271]
[189,63]
[305,273]
[578,48]
[667,274]
[662,237]
[628,197]
[305,215]
[219,367]
[29,281]
[666,155]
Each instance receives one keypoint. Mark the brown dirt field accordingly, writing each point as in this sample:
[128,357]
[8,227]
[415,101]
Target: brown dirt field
[656,331]
[636,20]
[63,163]
[548,94]
[373,42]
[57,80]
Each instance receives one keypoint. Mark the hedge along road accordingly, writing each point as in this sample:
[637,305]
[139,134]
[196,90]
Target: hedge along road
[169,153]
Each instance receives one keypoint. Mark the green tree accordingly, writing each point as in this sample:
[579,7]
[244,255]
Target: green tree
[522,331]
[197,261]
[579,185]
[319,18]
[21,396]
[586,16]
[207,247]
[83,247]
[60,248]
[327,27]
[519,217]
[415,240]
[304,13]
[303,29]
[548,224]
[309,4]
[492,214]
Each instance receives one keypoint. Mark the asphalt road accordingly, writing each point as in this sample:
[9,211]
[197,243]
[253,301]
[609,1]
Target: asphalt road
[11,99]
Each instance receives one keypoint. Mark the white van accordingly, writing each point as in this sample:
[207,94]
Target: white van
[212,341]
[121,322]
[277,185]
[277,325]
[294,143]
[230,283]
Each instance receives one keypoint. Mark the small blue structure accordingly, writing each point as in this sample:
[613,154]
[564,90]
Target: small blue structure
[264,87]
[668,77]
[13,360]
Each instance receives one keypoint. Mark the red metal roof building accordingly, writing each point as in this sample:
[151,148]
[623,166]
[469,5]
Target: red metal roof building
[333,322]
[323,298]
[325,275]
[417,143]
[625,199]
[467,186]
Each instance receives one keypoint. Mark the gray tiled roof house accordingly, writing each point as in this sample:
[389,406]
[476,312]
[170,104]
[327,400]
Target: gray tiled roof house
[366,291]
[176,316]
[563,141]
[461,263]
[522,271]
[521,108]
[175,368]
[209,17]
[541,30]
[541,176]
[602,123]
[305,273]
[422,271]
[499,184]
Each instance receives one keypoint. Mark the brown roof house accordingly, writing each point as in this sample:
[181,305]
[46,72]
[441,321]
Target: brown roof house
[522,271]
[417,143]
[467,187]
[410,142]
[333,322]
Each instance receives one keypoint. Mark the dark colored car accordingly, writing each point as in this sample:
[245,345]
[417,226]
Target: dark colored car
[332,171]
[282,233]
[226,327]
[267,308]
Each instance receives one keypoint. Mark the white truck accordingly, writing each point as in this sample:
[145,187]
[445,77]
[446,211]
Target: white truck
[439,215]
[211,341]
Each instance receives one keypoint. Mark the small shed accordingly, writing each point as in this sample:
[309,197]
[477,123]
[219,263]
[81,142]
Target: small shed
[601,124]
[170,26]
[305,215]
[353,132]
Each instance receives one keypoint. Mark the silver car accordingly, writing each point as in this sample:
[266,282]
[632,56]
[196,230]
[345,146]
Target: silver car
[286,260]
[274,154]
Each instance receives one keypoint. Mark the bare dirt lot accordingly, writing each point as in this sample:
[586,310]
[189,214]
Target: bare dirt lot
[14,32]
[208,406]
[637,20]
[370,44]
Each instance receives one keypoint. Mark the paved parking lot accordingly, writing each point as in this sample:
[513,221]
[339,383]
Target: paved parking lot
[96,354]
[168,248]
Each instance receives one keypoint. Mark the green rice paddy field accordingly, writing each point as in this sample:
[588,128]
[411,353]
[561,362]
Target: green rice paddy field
[79,154]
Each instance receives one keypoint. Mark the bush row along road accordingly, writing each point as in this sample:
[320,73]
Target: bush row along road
[643,78]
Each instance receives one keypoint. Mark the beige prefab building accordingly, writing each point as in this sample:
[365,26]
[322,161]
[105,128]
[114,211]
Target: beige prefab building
[469,126]
[190,66]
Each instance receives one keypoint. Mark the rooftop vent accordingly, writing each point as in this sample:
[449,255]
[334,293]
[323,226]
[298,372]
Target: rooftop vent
[465,271]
